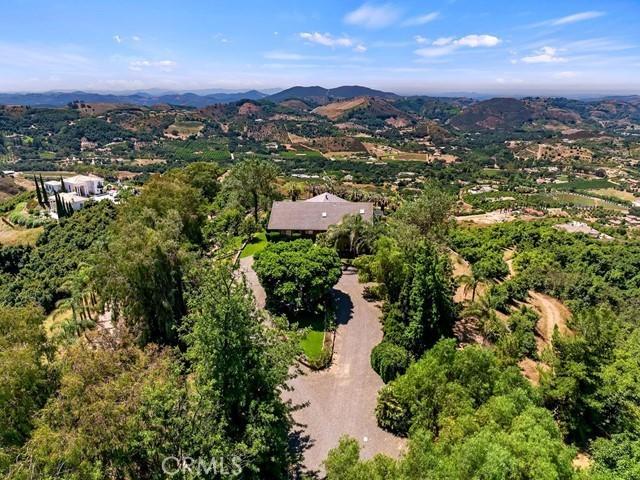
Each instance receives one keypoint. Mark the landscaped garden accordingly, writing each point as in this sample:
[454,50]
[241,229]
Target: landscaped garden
[257,243]
[298,277]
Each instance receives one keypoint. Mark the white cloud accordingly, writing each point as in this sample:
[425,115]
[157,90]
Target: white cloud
[446,45]
[569,19]
[576,17]
[443,41]
[117,38]
[544,55]
[373,16]
[164,65]
[326,39]
[474,41]
[420,39]
[421,19]
[136,38]
[360,48]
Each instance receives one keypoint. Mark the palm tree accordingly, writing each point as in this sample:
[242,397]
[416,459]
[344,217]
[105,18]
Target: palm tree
[294,190]
[470,283]
[484,313]
[352,237]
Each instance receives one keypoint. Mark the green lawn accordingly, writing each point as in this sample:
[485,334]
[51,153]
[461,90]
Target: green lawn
[313,341]
[257,244]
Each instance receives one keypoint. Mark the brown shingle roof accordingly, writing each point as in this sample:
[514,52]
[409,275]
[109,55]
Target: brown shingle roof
[315,215]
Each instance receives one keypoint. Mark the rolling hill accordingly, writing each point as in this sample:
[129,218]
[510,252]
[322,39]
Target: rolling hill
[321,95]
[370,106]
[60,99]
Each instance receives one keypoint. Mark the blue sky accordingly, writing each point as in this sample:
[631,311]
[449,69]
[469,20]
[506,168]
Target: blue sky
[492,46]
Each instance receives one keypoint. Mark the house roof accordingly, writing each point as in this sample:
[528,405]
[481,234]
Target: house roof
[315,215]
[326,197]
[82,179]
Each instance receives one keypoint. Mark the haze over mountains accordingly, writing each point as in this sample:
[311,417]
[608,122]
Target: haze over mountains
[314,94]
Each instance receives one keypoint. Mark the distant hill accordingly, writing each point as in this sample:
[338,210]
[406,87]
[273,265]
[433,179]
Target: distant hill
[371,106]
[494,114]
[60,99]
[322,95]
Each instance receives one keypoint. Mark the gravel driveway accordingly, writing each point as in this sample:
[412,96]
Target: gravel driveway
[341,400]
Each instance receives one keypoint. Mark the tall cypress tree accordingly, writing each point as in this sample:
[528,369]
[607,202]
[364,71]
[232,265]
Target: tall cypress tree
[59,207]
[43,190]
[62,187]
[40,201]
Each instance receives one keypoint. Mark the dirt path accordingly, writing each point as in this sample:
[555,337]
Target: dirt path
[552,314]
[552,311]
[508,259]
[341,400]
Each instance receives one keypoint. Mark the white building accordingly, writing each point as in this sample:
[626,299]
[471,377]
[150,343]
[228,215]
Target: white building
[83,185]
[75,191]
[73,200]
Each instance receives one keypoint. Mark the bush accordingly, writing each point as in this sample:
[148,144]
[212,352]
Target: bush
[297,275]
[389,360]
[321,361]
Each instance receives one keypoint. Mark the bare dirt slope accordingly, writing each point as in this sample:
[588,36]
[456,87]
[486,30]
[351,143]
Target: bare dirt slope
[335,110]
[552,314]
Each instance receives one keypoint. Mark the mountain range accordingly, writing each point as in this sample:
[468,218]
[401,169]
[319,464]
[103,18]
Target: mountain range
[316,95]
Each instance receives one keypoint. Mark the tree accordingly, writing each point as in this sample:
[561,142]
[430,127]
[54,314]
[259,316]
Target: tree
[427,216]
[117,413]
[139,275]
[43,192]
[294,190]
[27,377]
[254,183]
[200,175]
[389,360]
[239,368]
[470,282]
[351,237]
[425,311]
[468,416]
[297,275]
[38,194]
[163,193]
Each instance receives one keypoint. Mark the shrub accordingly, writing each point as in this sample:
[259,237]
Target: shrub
[389,360]
[297,275]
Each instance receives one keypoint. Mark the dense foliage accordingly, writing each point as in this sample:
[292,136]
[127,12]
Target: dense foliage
[60,249]
[297,275]
[469,418]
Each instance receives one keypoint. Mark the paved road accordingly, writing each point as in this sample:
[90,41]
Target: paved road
[341,400]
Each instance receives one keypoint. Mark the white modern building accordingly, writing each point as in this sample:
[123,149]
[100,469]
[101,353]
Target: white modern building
[75,191]
[71,199]
[83,185]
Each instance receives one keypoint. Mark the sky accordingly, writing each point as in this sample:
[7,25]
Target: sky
[541,47]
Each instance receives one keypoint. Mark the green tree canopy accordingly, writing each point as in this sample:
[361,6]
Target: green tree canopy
[254,183]
[297,274]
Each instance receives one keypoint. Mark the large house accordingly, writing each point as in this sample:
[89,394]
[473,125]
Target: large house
[74,192]
[83,185]
[315,215]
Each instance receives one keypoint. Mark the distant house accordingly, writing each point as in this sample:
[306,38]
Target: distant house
[75,191]
[73,200]
[581,227]
[83,185]
[315,215]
